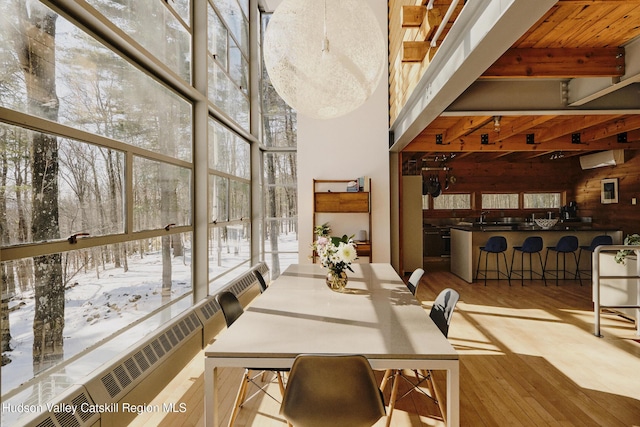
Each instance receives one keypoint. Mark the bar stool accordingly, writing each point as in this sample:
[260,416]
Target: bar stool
[566,244]
[597,241]
[531,245]
[495,245]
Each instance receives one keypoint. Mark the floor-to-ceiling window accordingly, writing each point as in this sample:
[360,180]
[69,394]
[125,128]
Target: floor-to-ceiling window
[229,204]
[97,174]
[280,202]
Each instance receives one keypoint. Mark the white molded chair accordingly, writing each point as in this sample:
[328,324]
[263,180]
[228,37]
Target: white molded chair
[441,313]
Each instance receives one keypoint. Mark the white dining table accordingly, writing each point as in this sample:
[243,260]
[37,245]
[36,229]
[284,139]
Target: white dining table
[376,316]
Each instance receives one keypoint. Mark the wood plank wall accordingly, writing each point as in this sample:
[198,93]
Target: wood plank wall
[542,175]
[502,176]
[400,76]
[403,77]
[622,214]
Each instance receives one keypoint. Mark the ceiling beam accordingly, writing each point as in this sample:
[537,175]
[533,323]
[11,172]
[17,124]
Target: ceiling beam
[514,126]
[536,96]
[589,142]
[624,124]
[593,2]
[558,63]
[413,51]
[584,90]
[465,126]
[572,124]
[412,16]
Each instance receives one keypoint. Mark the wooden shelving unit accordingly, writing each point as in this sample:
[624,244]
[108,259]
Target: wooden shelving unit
[343,202]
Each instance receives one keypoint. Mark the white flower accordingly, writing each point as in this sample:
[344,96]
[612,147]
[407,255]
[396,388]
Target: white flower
[333,255]
[347,252]
[322,242]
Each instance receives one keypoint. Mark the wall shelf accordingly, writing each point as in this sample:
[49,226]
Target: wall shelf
[326,200]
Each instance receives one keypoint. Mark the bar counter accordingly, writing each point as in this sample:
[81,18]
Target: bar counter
[466,242]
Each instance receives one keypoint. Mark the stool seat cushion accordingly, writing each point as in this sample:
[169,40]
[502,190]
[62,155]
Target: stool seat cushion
[495,244]
[531,245]
[565,244]
[598,241]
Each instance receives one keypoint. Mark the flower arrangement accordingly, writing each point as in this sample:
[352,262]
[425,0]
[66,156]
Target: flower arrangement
[631,239]
[335,253]
[322,230]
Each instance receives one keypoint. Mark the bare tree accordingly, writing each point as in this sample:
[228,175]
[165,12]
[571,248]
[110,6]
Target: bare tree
[35,46]
[6,270]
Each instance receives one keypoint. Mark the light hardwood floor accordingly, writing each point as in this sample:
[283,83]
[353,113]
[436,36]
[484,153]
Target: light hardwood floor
[528,358]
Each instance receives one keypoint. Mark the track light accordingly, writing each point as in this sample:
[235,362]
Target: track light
[496,123]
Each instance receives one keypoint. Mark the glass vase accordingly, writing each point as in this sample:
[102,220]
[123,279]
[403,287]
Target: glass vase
[336,280]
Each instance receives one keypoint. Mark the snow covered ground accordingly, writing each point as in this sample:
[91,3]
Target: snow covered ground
[95,308]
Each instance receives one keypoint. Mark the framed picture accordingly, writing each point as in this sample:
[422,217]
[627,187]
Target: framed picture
[609,191]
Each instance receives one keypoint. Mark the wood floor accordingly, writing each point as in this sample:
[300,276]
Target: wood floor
[528,358]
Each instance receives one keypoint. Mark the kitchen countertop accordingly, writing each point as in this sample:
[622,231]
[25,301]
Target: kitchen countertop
[466,241]
[569,226]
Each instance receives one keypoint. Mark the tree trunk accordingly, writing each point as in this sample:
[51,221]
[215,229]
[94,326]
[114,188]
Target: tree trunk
[5,332]
[6,268]
[36,50]
[113,184]
[272,228]
[167,191]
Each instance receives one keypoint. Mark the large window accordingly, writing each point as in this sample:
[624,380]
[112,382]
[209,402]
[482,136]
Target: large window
[542,200]
[228,61]
[156,26]
[229,203]
[280,175]
[500,201]
[89,188]
[93,150]
[281,210]
[106,288]
[98,179]
[448,201]
[87,86]
[161,195]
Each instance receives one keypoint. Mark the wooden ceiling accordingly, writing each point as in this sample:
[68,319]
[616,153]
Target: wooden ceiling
[576,39]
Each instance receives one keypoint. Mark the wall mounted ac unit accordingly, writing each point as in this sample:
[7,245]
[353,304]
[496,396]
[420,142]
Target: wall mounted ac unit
[601,159]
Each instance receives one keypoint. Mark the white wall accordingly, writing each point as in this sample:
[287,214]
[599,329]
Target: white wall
[347,147]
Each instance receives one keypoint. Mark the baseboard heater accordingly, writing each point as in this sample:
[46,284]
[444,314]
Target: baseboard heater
[100,399]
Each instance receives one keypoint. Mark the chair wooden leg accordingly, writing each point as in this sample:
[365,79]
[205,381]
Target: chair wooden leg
[280,382]
[438,396]
[427,374]
[385,379]
[392,399]
[239,398]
